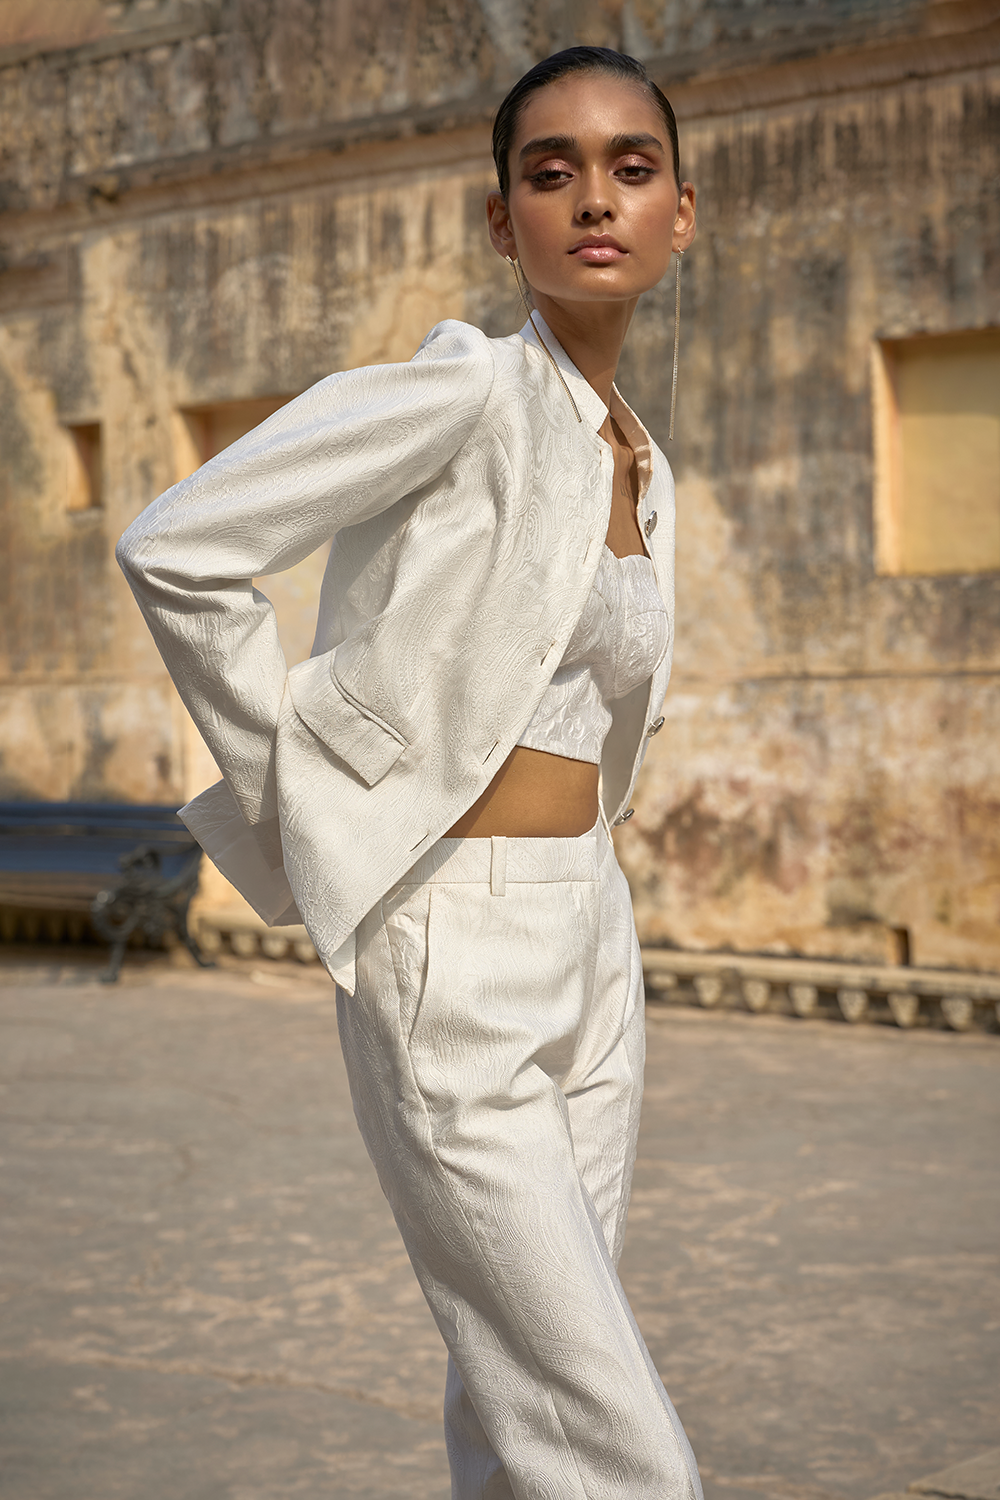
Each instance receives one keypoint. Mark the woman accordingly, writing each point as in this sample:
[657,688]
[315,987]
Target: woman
[432,790]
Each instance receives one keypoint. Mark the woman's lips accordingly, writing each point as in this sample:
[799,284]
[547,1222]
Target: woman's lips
[599,255]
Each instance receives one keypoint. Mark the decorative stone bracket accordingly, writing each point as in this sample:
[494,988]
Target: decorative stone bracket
[249,937]
[821,988]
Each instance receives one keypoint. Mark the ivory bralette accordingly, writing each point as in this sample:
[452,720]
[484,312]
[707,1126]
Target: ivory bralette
[618,643]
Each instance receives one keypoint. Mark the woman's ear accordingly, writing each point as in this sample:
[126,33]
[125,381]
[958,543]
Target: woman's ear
[501,230]
[684,224]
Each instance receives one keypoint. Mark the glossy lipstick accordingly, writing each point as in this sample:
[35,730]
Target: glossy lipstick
[599,250]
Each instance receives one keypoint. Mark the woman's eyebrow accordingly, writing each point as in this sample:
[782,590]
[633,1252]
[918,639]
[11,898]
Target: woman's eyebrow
[568,144]
[639,142]
[565,143]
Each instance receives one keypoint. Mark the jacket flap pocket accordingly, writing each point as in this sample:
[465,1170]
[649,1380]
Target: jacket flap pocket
[358,737]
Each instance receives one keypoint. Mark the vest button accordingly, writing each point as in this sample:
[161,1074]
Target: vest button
[650,525]
[656,726]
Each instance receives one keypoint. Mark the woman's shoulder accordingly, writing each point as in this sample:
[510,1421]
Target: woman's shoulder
[452,340]
[455,361]
[495,377]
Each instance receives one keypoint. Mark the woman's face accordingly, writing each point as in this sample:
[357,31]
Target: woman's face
[594,209]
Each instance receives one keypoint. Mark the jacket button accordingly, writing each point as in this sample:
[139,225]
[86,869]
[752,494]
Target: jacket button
[650,525]
[623,817]
[656,726]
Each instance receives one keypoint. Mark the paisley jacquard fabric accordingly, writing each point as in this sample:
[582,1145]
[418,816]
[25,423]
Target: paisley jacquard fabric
[494,1046]
[620,640]
[494,1034]
[468,507]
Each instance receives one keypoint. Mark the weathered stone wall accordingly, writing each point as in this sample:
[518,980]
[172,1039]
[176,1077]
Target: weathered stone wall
[215,202]
[255,299]
[830,771]
[146,89]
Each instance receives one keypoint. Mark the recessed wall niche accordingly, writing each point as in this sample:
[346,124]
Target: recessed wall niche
[937,453]
[85,467]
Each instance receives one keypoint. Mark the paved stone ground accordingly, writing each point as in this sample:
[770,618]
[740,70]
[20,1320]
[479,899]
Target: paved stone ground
[204,1297]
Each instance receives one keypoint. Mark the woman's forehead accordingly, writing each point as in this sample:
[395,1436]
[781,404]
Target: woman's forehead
[588,105]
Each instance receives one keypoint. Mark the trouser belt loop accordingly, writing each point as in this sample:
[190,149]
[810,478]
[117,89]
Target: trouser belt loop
[498,865]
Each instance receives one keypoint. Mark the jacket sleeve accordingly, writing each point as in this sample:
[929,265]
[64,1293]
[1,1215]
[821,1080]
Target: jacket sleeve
[342,452]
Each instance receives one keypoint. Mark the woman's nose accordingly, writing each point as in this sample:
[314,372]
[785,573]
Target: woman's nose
[594,202]
[591,209]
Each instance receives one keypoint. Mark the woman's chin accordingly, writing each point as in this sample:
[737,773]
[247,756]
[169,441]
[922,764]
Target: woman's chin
[594,294]
[599,284]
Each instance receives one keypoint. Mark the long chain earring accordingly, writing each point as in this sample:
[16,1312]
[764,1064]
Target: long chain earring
[677,345]
[520,288]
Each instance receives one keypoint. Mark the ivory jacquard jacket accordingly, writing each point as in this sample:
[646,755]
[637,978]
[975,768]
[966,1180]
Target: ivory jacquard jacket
[468,495]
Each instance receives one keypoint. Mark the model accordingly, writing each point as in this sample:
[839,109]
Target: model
[432,791]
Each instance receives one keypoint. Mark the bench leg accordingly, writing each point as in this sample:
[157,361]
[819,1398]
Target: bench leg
[188,940]
[196,953]
[111,973]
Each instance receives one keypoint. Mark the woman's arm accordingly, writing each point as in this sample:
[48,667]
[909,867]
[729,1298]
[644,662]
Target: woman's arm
[338,454]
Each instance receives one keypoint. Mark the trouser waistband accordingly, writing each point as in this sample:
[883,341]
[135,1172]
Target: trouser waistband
[500,861]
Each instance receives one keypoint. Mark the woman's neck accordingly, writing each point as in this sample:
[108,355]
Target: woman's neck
[592,333]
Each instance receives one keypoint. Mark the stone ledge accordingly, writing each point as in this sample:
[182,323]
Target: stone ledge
[249,937]
[961,1000]
[961,37]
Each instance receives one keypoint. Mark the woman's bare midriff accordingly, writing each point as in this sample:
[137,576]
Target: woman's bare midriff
[534,795]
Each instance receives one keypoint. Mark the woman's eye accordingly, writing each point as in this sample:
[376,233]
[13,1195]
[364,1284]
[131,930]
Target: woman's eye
[630,171]
[548,176]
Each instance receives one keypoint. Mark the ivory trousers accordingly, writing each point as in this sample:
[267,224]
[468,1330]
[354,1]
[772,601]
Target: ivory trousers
[494,1046]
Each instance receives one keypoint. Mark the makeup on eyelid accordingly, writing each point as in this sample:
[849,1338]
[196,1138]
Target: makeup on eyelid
[555,174]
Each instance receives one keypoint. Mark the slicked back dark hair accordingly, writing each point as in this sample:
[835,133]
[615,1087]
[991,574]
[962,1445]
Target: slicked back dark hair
[561,65]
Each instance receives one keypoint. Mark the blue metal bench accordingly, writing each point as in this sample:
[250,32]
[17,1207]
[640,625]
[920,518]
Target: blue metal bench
[132,869]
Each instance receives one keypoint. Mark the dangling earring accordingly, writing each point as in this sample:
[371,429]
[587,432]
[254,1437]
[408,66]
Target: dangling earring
[517,277]
[677,345]
[520,289]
